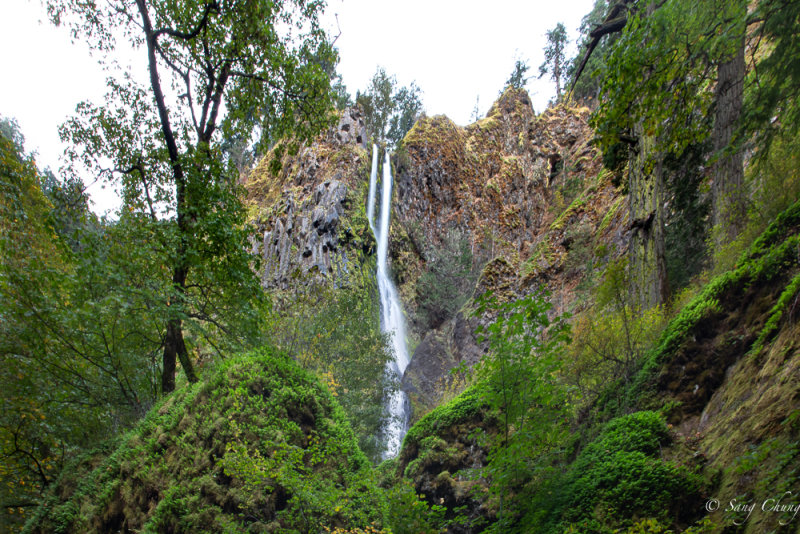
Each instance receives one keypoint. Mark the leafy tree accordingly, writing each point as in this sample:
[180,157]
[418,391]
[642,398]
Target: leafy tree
[679,69]
[342,97]
[70,202]
[407,109]
[611,339]
[654,112]
[78,352]
[28,454]
[389,111]
[517,80]
[9,128]
[520,380]
[775,81]
[217,70]
[376,102]
[554,60]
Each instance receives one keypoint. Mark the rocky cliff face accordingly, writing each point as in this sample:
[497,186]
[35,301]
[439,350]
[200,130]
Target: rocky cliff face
[526,193]
[512,203]
[308,210]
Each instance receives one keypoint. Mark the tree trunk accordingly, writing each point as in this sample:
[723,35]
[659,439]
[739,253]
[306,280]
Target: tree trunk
[647,266]
[174,345]
[727,173]
[169,358]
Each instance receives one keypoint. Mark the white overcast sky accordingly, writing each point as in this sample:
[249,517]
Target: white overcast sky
[456,52]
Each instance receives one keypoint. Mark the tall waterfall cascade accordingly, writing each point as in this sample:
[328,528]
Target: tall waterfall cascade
[392,319]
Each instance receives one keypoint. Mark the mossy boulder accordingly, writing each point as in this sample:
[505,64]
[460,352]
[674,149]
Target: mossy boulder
[443,455]
[260,446]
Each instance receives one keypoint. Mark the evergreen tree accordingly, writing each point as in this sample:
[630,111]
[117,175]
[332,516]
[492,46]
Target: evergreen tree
[517,80]
[554,61]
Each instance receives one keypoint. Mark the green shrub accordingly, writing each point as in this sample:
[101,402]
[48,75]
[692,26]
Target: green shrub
[620,476]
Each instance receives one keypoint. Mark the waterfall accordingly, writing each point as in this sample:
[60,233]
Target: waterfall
[392,320]
[373,178]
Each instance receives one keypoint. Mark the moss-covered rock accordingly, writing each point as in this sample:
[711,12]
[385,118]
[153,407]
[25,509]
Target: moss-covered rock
[443,455]
[260,446]
[308,204]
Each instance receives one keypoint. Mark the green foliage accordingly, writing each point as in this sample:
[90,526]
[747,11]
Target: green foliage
[70,213]
[769,256]
[78,347]
[238,72]
[520,381]
[554,60]
[29,453]
[517,80]
[611,339]
[260,446]
[409,514]
[449,276]
[686,221]
[389,111]
[775,80]
[786,302]
[774,179]
[335,333]
[469,405]
[587,87]
[619,476]
[774,464]
[659,72]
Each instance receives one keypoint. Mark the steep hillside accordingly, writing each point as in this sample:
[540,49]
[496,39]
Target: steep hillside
[724,374]
[258,447]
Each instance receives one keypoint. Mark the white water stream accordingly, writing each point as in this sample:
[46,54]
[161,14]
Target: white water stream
[392,320]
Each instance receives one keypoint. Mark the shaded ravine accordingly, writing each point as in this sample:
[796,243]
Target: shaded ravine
[392,319]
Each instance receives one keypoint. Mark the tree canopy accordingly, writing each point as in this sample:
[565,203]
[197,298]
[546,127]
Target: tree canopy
[217,70]
[390,111]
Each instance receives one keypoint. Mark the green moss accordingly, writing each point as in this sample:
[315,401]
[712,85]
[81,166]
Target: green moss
[542,255]
[259,445]
[772,254]
[465,407]
[785,224]
[612,212]
[437,130]
[788,295]
[574,206]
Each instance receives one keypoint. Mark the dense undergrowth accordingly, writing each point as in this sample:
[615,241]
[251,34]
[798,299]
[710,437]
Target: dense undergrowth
[260,446]
[626,469]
